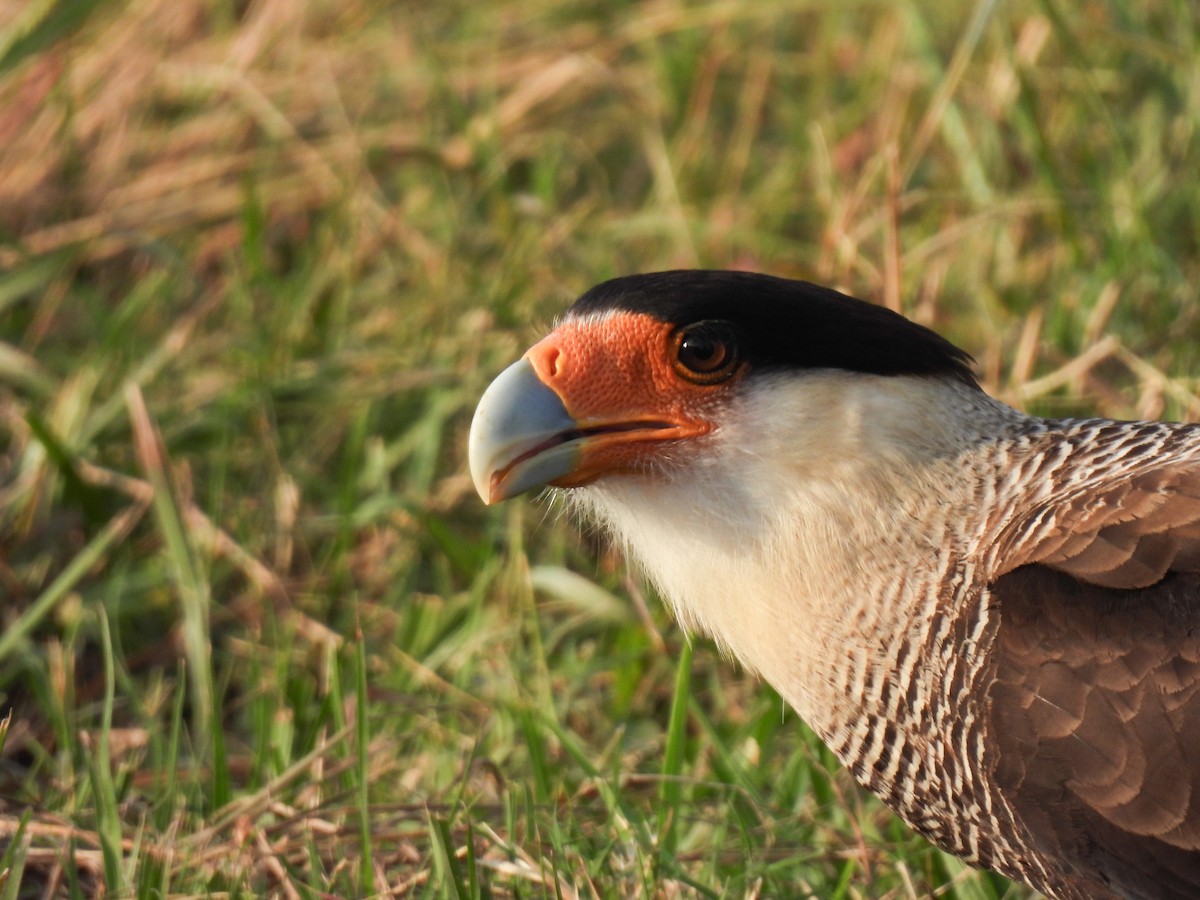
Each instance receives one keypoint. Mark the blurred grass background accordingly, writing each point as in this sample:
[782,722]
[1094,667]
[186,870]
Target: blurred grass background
[259,259]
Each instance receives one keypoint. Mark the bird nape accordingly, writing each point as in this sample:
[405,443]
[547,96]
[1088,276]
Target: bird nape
[992,619]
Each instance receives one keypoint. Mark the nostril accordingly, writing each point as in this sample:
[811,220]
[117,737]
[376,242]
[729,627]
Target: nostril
[548,359]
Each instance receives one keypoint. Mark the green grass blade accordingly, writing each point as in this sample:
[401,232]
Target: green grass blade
[12,862]
[446,864]
[108,814]
[40,25]
[670,791]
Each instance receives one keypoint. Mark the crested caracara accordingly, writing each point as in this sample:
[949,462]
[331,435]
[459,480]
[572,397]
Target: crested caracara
[992,619]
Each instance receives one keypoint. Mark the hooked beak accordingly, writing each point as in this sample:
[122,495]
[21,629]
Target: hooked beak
[522,436]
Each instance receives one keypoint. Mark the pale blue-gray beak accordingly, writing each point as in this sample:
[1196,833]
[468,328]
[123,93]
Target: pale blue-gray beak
[521,437]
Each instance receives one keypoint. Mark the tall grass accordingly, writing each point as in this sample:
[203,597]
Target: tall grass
[258,261]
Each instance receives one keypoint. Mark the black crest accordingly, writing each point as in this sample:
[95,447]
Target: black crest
[785,324]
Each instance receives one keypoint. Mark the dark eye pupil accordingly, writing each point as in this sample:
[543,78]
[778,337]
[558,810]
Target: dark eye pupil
[702,354]
[706,352]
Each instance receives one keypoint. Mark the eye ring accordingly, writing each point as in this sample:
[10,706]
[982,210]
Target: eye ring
[705,352]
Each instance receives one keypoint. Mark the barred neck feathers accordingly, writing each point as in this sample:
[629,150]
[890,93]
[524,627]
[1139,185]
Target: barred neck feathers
[767,538]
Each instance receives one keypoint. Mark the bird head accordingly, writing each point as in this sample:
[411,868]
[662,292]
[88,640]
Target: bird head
[644,371]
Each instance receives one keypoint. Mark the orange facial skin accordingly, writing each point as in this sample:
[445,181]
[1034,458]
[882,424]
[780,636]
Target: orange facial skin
[617,378]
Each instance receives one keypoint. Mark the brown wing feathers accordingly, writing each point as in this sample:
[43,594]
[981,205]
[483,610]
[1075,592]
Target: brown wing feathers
[1095,713]
[1095,706]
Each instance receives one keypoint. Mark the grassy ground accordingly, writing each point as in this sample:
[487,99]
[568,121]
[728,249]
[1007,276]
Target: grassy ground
[258,261]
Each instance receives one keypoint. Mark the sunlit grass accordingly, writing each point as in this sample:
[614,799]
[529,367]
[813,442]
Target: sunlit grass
[257,262]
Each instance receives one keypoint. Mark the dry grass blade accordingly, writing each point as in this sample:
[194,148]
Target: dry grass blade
[187,568]
[1070,372]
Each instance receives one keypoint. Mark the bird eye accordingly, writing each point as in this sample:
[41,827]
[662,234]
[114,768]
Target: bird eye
[706,352]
